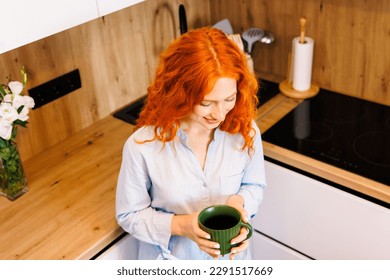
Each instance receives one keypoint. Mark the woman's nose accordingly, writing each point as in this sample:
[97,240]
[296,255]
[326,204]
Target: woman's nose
[219,112]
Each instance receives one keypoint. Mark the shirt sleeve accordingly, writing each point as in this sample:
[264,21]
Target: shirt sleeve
[254,182]
[133,202]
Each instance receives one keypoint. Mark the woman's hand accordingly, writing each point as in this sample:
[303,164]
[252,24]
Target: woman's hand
[239,239]
[187,225]
[237,202]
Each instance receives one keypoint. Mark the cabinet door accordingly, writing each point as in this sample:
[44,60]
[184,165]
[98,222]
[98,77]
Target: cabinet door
[321,221]
[265,248]
[124,249]
[109,6]
[25,21]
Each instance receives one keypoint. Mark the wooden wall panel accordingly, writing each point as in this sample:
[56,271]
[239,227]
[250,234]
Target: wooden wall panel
[352,40]
[116,56]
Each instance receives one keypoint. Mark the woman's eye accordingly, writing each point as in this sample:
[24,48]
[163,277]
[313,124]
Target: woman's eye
[231,99]
[205,104]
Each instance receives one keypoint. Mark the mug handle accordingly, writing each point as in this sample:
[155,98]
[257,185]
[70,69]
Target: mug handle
[249,228]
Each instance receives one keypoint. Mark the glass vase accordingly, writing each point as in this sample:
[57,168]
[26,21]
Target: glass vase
[13,182]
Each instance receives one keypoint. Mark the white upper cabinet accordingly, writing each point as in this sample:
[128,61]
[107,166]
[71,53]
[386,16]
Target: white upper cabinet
[25,21]
[109,6]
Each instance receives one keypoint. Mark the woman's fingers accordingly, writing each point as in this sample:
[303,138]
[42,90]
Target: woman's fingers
[210,247]
[213,252]
[242,243]
[236,250]
[206,245]
[237,201]
[241,237]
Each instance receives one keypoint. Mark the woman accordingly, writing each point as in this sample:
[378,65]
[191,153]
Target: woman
[195,145]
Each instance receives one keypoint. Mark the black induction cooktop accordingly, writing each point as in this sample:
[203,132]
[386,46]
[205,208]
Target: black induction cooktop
[130,113]
[344,131]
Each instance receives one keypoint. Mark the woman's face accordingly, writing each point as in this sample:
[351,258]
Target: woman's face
[216,104]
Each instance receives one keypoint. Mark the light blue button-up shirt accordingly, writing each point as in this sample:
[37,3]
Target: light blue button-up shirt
[157,181]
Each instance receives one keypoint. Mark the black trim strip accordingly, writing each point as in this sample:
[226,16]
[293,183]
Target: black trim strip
[109,245]
[285,245]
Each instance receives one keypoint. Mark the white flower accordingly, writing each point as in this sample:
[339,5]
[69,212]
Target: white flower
[12,101]
[23,115]
[20,100]
[28,101]
[17,101]
[16,87]
[8,114]
[5,130]
[8,98]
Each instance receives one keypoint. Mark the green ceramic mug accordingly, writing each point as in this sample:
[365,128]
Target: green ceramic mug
[223,223]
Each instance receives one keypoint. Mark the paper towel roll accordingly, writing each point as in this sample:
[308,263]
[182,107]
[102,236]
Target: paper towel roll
[302,60]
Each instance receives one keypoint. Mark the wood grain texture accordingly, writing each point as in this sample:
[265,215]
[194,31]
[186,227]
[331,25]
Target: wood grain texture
[116,55]
[352,40]
[69,211]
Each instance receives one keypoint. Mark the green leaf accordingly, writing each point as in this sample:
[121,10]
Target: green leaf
[2,90]
[21,123]
[14,132]
[3,143]
[20,109]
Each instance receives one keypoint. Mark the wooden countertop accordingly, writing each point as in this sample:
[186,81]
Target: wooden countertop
[69,211]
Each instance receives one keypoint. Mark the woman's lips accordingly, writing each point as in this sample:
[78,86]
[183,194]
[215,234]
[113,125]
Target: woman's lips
[211,121]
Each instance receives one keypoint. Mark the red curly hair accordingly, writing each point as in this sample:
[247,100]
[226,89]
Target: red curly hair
[187,71]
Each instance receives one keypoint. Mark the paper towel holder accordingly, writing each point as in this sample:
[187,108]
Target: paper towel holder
[286,86]
[287,89]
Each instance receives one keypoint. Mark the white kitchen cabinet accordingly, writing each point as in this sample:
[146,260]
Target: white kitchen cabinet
[321,221]
[109,6]
[25,21]
[265,248]
[124,249]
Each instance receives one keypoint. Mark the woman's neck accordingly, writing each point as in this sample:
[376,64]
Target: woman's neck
[199,139]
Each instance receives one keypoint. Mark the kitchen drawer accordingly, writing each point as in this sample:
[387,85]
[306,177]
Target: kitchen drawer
[319,220]
[123,249]
[265,248]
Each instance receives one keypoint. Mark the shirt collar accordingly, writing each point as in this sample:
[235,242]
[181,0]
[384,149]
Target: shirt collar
[183,137]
